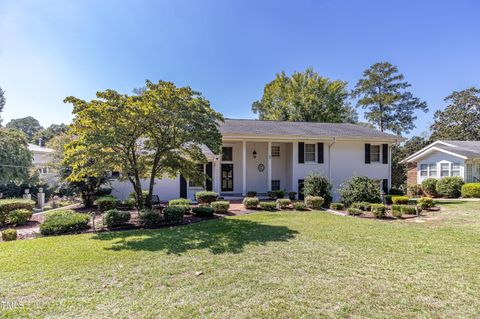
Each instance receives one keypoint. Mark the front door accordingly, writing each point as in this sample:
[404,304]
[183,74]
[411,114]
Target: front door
[227,177]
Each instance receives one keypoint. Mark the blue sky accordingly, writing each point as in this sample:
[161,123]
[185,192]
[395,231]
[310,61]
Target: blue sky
[228,50]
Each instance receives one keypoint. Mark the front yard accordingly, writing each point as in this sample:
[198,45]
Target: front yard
[281,264]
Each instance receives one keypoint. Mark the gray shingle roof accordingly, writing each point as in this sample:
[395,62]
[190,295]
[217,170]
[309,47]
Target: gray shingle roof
[310,129]
[470,149]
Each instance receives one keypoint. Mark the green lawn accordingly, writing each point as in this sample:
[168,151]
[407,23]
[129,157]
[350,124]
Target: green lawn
[270,265]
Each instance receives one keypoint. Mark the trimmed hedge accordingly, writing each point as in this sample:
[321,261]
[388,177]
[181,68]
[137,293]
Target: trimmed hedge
[174,214]
[105,203]
[129,203]
[314,202]
[179,201]
[429,187]
[113,218]
[19,216]
[399,210]
[7,205]
[365,206]
[354,211]
[315,184]
[203,211]
[299,206]
[206,197]
[251,202]
[470,190]
[64,222]
[270,206]
[150,218]
[9,234]
[400,200]
[425,203]
[221,207]
[337,206]
[283,203]
[450,187]
[379,210]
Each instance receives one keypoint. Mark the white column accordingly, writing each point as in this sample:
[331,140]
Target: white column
[269,166]
[244,168]
[217,175]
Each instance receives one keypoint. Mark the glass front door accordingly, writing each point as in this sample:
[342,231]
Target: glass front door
[227,177]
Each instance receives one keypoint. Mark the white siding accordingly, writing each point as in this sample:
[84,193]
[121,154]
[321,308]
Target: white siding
[166,188]
[438,158]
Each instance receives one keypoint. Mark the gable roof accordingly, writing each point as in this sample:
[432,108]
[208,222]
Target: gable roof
[462,149]
[300,129]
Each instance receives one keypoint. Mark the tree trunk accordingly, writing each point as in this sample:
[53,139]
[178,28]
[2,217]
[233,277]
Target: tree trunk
[148,200]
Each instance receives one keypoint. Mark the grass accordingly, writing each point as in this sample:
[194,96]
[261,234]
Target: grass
[263,265]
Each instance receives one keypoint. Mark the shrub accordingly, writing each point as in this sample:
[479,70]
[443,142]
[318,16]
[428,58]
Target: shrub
[316,184]
[337,206]
[400,200]
[9,234]
[221,207]
[283,203]
[280,193]
[314,202]
[365,206]
[299,206]
[354,211]
[203,211]
[450,187]
[359,189]
[114,218]
[415,190]
[272,194]
[206,197]
[379,210]
[409,209]
[19,216]
[180,201]
[105,203]
[397,211]
[129,203]
[7,205]
[63,222]
[396,191]
[251,194]
[425,203]
[471,190]
[429,186]
[292,195]
[251,202]
[174,214]
[270,206]
[149,218]
[133,195]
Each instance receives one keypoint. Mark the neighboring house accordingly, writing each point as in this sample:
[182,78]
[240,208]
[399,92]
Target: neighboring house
[445,158]
[270,155]
[41,161]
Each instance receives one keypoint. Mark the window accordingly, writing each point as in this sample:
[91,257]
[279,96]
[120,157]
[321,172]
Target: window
[43,170]
[432,170]
[227,154]
[455,169]
[444,169]
[423,169]
[275,184]
[309,152]
[275,151]
[469,173]
[192,183]
[375,153]
[115,174]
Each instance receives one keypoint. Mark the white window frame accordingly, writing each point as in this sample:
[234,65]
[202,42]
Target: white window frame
[275,151]
[455,170]
[445,170]
[310,153]
[430,170]
[421,170]
[379,153]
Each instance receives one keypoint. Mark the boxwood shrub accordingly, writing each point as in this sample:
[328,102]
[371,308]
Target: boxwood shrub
[129,203]
[425,203]
[337,206]
[206,197]
[397,211]
[251,202]
[221,207]
[174,214]
[19,216]
[9,234]
[7,205]
[316,184]
[450,187]
[63,222]
[379,210]
[299,206]
[179,201]
[429,187]
[471,190]
[105,203]
[400,200]
[150,217]
[113,218]
[203,211]
[269,206]
[314,202]
[365,206]
[354,211]
[283,203]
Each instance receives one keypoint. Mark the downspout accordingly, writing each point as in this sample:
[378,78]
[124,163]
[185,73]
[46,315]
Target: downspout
[329,159]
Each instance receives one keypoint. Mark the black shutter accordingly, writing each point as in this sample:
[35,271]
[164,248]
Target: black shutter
[208,183]
[320,153]
[301,153]
[183,187]
[300,190]
[385,153]
[385,186]
[367,153]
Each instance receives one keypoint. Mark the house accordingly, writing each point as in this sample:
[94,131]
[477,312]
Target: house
[269,155]
[445,158]
[42,157]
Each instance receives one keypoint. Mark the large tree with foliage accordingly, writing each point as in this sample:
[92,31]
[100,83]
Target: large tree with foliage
[3,101]
[28,125]
[156,133]
[15,157]
[305,96]
[460,120]
[45,135]
[383,93]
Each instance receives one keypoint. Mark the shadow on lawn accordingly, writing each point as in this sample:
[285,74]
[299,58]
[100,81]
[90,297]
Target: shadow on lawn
[219,236]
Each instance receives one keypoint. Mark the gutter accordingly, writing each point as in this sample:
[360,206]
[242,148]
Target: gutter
[329,158]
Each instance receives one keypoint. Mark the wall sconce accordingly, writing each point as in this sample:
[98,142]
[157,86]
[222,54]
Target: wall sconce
[254,152]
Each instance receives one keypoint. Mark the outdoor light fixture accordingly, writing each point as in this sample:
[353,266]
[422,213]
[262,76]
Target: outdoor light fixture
[254,152]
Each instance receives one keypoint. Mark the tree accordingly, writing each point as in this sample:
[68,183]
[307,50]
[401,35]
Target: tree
[45,135]
[154,134]
[383,92]
[15,157]
[3,101]
[399,153]
[28,125]
[461,118]
[305,96]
